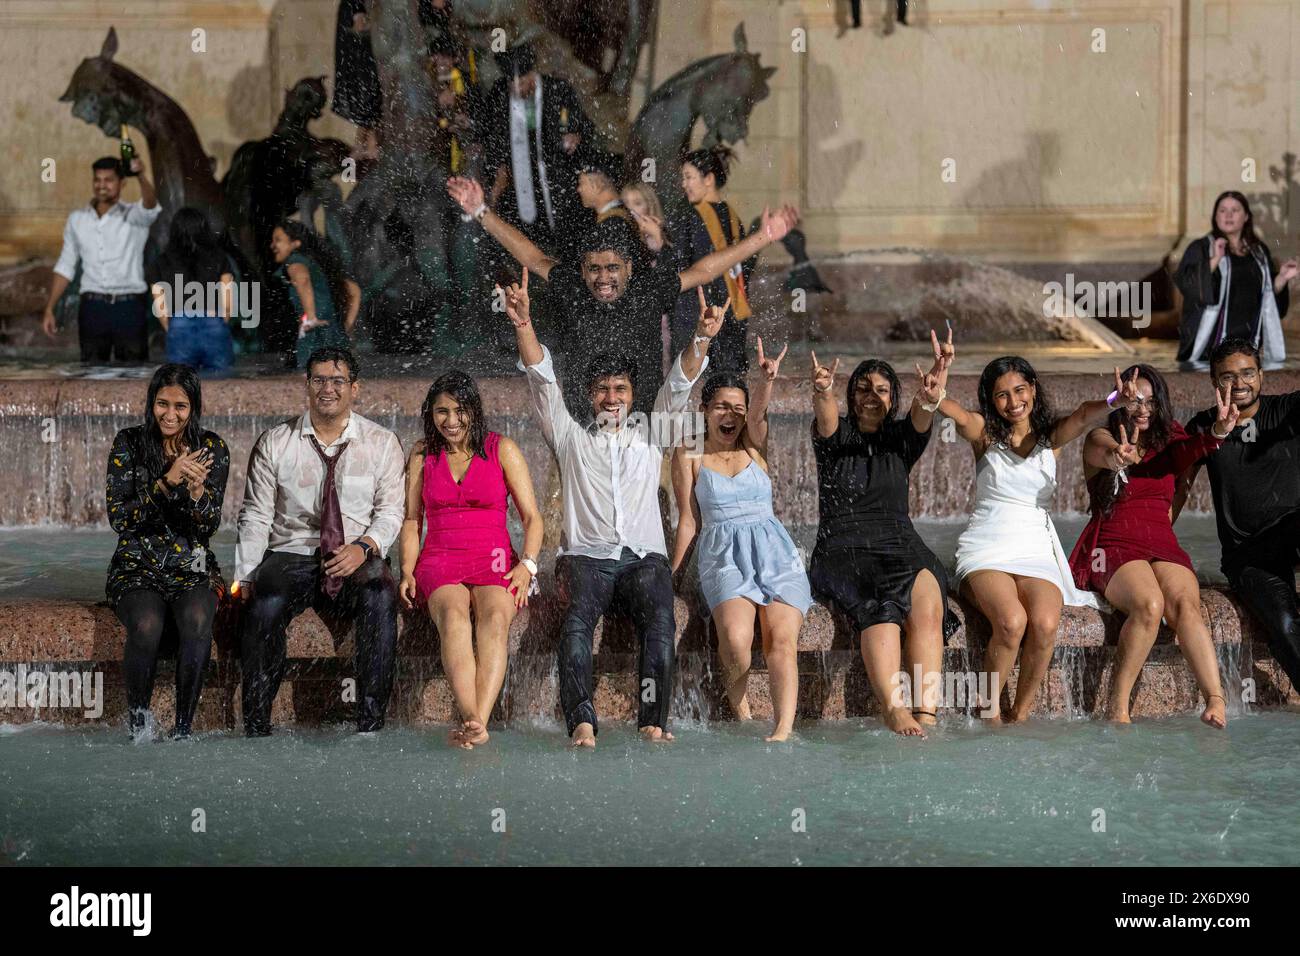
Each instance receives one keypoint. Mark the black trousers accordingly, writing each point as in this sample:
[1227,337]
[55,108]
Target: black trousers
[1262,573]
[285,585]
[113,331]
[144,614]
[644,587]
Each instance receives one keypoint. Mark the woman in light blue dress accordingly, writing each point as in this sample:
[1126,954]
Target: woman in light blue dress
[749,568]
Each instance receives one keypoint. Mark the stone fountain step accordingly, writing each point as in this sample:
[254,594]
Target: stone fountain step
[832,685]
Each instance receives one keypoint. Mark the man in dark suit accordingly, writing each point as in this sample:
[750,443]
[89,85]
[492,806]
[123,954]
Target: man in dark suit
[532,125]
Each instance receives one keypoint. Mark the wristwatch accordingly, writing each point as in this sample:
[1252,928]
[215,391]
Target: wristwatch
[365,546]
[530,564]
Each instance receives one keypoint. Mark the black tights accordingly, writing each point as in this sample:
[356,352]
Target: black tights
[144,613]
[1263,578]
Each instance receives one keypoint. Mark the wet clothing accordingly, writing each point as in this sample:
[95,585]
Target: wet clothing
[321,335]
[145,616]
[1255,484]
[1137,528]
[868,554]
[691,243]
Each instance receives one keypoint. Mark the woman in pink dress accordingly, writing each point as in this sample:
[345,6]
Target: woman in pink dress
[457,480]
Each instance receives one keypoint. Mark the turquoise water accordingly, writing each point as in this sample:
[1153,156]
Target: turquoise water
[70,564]
[1172,791]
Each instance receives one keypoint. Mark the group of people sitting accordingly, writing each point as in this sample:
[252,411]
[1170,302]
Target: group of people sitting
[328,493]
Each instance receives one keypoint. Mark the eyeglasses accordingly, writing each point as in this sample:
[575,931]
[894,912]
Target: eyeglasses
[1246,377]
[1140,403]
[320,381]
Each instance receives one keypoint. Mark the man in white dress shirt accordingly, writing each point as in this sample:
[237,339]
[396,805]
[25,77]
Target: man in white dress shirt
[612,546]
[323,503]
[107,236]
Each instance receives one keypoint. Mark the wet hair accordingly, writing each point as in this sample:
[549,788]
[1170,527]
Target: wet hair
[716,161]
[192,249]
[876,367]
[1230,347]
[1155,436]
[605,364]
[461,387]
[335,353]
[716,383]
[612,235]
[1248,237]
[322,253]
[108,162]
[996,428]
[185,378]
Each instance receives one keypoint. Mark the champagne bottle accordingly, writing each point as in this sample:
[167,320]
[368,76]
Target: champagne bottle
[128,152]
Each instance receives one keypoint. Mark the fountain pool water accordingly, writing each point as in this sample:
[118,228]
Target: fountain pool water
[1047,792]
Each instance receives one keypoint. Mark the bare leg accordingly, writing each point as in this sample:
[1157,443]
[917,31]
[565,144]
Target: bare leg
[1183,612]
[734,620]
[881,655]
[1133,590]
[923,646]
[996,596]
[781,624]
[449,608]
[494,609]
[1043,603]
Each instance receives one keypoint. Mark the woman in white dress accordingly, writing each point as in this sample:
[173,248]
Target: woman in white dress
[1010,563]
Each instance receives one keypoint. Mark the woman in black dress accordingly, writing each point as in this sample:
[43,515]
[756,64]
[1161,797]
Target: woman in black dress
[869,563]
[166,481]
[1232,288]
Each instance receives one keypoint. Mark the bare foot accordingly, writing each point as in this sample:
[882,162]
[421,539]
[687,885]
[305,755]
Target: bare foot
[779,734]
[743,712]
[456,738]
[902,723]
[584,735]
[1214,713]
[655,734]
[927,719]
[474,732]
[1119,716]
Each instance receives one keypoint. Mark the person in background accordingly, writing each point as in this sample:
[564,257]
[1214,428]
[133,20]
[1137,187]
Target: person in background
[165,486]
[1255,483]
[316,282]
[711,226]
[107,238]
[612,545]
[1232,288]
[1128,552]
[532,126]
[357,95]
[750,571]
[643,204]
[869,563]
[323,503]
[196,336]
[608,290]
[599,176]
[457,481]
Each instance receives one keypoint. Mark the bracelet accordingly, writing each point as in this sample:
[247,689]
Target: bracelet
[695,343]
[826,389]
[943,393]
[1110,399]
[480,212]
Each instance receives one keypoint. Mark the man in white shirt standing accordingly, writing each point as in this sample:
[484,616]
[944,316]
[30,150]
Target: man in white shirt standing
[323,503]
[107,236]
[612,546]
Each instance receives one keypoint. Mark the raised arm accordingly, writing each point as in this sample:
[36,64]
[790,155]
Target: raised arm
[761,396]
[688,511]
[412,525]
[933,385]
[774,228]
[695,354]
[468,194]
[826,411]
[1102,452]
[535,362]
[1088,413]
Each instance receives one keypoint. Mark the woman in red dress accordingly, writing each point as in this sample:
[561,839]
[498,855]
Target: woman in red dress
[1128,552]
[457,481]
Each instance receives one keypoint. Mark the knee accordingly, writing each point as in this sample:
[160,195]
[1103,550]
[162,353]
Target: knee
[378,596]
[1149,608]
[449,614]
[145,630]
[494,621]
[1041,633]
[784,645]
[1183,609]
[1009,625]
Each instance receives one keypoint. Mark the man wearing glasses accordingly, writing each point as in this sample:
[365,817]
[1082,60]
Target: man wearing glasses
[1255,482]
[323,503]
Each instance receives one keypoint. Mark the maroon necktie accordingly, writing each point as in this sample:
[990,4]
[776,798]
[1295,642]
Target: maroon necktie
[331,518]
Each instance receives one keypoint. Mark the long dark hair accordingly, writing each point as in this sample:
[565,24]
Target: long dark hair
[1154,437]
[461,387]
[184,377]
[716,160]
[323,254]
[192,251]
[996,428]
[1249,240]
[875,367]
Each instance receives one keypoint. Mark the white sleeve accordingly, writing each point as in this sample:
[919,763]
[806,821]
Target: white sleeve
[71,253]
[548,401]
